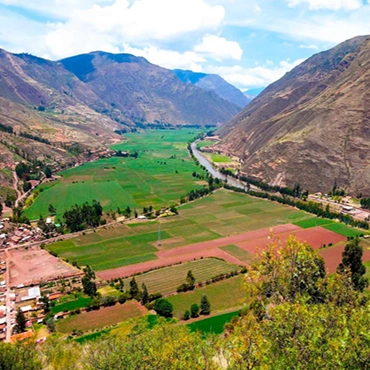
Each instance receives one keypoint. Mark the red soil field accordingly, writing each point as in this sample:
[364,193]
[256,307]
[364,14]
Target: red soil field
[333,257]
[250,241]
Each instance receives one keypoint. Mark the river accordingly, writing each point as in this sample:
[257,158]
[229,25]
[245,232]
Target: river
[215,173]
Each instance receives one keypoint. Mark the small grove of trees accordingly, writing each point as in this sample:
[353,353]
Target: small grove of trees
[196,310]
[163,307]
[189,284]
[80,217]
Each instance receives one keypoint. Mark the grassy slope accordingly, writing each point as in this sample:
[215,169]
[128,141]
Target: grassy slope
[119,182]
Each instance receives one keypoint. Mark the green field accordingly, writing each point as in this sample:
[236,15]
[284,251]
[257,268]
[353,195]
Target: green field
[71,305]
[222,214]
[344,230]
[214,324]
[313,222]
[161,174]
[218,158]
[224,295]
[166,280]
[202,144]
[238,253]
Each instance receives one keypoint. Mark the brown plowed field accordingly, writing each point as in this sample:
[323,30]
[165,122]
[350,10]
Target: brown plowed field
[333,257]
[250,241]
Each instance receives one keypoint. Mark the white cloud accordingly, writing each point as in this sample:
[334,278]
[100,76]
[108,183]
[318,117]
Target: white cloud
[313,47]
[168,58]
[247,78]
[218,48]
[328,4]
[142,22]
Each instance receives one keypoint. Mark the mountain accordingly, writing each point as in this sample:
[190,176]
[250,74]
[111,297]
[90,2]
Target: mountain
[215,83]
[311,126]
[254,92]
[146,93]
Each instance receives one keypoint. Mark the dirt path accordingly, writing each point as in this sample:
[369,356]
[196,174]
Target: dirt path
[19,194]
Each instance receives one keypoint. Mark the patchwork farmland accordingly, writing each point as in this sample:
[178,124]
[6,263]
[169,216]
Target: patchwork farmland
[161,174]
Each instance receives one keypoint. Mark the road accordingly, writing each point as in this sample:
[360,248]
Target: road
[8,301]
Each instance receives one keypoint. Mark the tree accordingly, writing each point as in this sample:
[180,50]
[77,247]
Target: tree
[352,261]
[205,306]
[127,212]
[190,280]
[21,321]
[26,186]
[163,307]
[50,323]
[194,310]
[48,172]
[52,209]
[134,289]
[1,209]
[144,295]
[88,282]
[186,315]
[45,304]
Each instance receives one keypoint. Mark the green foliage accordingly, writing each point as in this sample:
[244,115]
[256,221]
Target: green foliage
[48,172]
[186,315]
[144,295]
[21,321]
[194,310]
[134,289]
[163,307]
[88,282]
[205,306]
[352,261]
[20,356]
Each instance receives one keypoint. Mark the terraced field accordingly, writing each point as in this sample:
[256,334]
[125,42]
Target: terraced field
[166,280]
[161,174]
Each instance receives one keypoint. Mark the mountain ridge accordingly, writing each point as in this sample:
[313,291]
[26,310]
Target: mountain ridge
[310,126]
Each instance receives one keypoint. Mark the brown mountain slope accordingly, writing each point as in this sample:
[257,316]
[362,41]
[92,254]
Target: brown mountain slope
[313,125]
[148,93]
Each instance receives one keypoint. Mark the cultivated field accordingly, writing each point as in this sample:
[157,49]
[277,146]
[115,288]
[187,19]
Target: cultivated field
[222,214]
[166,280]
[224,295]
[337,227]
[214,324]
[36,265]
[161,174]
[93,320]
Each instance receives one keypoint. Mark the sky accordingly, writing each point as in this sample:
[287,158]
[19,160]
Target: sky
[250,43]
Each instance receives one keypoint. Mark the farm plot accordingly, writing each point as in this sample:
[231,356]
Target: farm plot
[214,324]
[161,174]
[222,214]
[93,320]
[166,280]
[224,295]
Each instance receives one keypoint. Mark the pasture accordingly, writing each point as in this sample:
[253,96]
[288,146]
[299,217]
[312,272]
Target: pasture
[99,319]
[224,295]
[221,214]
[160,175]
[214,324]
[167,279]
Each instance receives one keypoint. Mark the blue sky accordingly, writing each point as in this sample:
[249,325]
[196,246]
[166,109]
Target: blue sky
[250,43]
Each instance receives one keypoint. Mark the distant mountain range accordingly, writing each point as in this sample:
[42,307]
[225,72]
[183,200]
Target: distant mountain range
[311,126]
[215,83]
[89,100]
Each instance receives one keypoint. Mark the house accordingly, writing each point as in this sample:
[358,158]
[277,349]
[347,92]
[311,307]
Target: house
[26,308]
[22,336]
[347,209]
[33,293]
